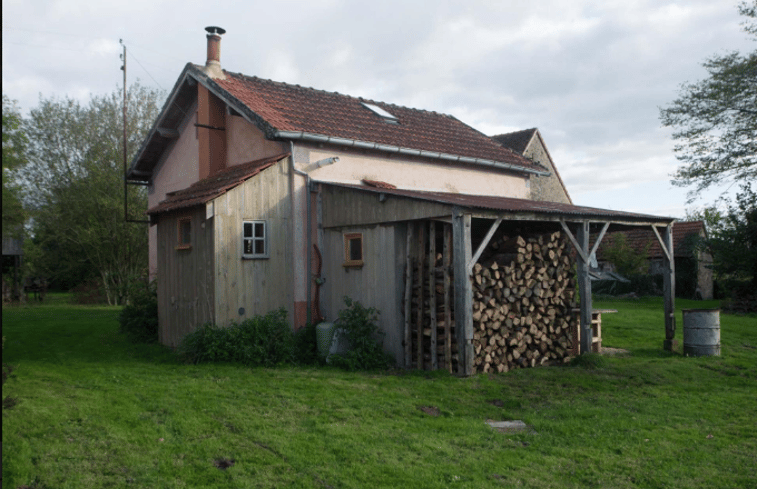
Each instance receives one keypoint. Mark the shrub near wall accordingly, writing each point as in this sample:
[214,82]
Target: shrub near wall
[359,323]
[259,341]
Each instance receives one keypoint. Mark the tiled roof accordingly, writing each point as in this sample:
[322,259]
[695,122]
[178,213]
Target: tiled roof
[281,107]
[509,204]
[209,188]
[292,112]
[639,239]
[517,141]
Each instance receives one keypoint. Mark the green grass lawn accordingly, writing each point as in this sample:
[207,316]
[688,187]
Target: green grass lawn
[94,411]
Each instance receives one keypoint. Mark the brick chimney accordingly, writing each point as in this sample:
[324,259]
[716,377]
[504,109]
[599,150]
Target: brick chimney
[213,63]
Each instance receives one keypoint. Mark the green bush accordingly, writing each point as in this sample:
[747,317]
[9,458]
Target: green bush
[139,318]
[305,348]
[359,325]
[258,341]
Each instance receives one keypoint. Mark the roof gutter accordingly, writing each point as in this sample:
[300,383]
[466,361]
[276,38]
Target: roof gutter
[353,143]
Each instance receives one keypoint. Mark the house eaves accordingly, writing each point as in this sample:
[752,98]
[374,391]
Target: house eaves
[351,143]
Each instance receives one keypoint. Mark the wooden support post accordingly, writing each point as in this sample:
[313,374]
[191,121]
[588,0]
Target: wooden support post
[419,325]
[484,243]
[432,292]
[669,289]
[447,263]
[462,254]
[584,287]
[408,339]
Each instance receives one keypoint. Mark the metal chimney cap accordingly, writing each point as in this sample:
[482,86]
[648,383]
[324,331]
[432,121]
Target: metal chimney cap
[211,29]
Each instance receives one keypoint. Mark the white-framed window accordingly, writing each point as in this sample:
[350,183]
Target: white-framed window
[254,239]
[353,249]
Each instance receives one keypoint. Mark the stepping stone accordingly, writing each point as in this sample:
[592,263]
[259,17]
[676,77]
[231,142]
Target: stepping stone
[507,426]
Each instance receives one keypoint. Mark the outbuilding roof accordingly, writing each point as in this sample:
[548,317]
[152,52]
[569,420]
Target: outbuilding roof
[209,188]
[524,207]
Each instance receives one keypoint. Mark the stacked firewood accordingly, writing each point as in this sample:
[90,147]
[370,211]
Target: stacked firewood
[436,318]
[523,298]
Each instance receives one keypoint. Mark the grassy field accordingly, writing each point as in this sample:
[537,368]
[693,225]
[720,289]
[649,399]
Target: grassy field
[94,411]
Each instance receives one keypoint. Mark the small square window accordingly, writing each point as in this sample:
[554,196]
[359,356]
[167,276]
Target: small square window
[254,239]
[353,250]
[184,233]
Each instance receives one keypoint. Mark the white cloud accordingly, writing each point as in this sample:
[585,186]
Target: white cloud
[105,47]
[589,75]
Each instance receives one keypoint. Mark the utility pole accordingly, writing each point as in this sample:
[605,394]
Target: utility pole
[126,193]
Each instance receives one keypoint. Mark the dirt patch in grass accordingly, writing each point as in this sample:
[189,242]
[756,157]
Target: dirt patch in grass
[224,463]
[430,410]
[612,352]
[9,402]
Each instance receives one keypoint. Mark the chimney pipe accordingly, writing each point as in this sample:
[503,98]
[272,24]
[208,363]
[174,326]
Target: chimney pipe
[213,62]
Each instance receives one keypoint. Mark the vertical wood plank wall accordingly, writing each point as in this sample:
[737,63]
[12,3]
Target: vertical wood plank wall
[257,285]
[378,283]
[185,277]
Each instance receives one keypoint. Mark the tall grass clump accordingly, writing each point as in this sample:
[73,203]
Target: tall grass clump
[259,341]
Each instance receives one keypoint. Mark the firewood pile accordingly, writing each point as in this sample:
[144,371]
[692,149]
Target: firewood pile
[523,300]
[435,344]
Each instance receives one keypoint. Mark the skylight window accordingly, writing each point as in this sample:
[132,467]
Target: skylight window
[381,113]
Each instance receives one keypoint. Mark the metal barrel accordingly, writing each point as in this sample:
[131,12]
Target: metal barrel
[701,332]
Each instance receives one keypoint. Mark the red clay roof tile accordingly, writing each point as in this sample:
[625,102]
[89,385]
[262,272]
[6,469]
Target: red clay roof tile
[285,107]
[639,239]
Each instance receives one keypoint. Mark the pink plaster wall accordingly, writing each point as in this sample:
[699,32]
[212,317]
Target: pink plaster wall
[416,174]
[177,170]
[180,167]
[245,142]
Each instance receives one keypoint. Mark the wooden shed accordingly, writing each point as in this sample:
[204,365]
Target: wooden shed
[470,283]
[210,272]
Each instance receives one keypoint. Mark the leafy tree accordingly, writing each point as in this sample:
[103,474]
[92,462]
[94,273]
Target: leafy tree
[14,148]
[715,119]
[72,186]
[627,261]
[732,240]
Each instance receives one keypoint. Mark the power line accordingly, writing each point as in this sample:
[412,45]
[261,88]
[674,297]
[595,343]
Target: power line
[145,69]
[41,46]
[5,28]
[126,41]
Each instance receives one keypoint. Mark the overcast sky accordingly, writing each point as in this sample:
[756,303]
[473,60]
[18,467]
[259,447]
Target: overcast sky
[590,75]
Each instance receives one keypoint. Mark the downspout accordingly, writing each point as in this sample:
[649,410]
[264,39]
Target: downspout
[309,228]
[307,195]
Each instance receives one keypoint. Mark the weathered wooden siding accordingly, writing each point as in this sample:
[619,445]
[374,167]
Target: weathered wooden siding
[257,285]
[379,283]
[348,207]
[185,277]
